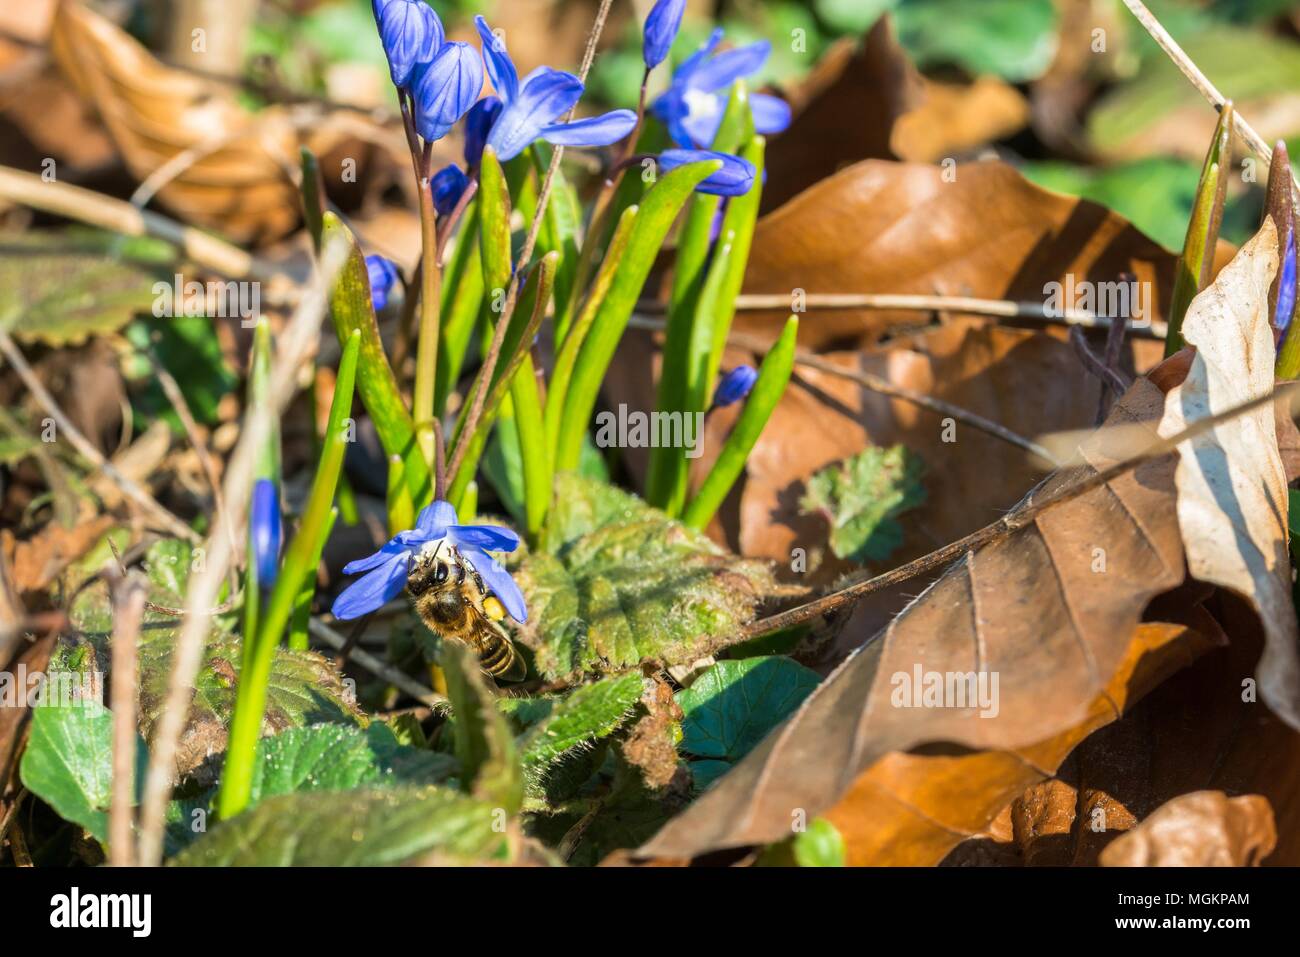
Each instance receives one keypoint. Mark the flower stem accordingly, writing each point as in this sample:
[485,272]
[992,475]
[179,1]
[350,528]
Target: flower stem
[426,356]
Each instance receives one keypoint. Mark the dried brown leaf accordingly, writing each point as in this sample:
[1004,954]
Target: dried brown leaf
[1054,605]
[1204,829]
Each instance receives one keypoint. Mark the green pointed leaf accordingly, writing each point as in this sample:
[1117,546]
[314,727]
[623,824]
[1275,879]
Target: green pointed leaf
[587,714]
[352,309]
[622,582]
[368,827]
[730,708]
[861,497]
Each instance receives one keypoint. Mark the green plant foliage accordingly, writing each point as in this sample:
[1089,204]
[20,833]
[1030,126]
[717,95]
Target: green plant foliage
[68,763]
[822,845]
[485,746]
[862,496]
[587,714]
[335,757]
[364,827]
[1245,64]
[60,288]
[622,582]
[730,708]
[305,688]
[188,348]
[1014,39]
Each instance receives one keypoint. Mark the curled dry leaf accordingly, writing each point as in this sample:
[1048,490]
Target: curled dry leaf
[234,170]
[1053,605]
[1232,487]
[1205,829]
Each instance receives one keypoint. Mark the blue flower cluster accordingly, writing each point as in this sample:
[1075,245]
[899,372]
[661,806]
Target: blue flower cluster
[441,81]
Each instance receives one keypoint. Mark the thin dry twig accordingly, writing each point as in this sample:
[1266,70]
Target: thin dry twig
[1011,522]
[88,206]
[297,344]
[376,666]
[1003,308]
[83,446]
[128,608]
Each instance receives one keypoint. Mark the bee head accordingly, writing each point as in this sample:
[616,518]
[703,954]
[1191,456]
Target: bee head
[428,569]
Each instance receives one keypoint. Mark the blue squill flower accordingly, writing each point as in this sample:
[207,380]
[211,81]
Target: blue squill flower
[1286,286]
[661,27]
[478,124]
[435,528]
[693,105]
[383,276]
[531,107]
[736,177]
[411,34]
[264,531]
[445,88]
[448,185]
[735,385]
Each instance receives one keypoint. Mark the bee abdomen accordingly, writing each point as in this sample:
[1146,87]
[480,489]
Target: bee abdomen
[499,658]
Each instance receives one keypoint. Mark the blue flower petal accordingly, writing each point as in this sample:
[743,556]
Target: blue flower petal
[446,88]
[435,518]
[593,131]
[478,124]
[448,185]
[491,537]
[373,590]
[383,275]
[386,553]
[498,581]
[544,97]
[661,27]
[500,68]
[771,113]
[730,65]
[411,34]
[734,179]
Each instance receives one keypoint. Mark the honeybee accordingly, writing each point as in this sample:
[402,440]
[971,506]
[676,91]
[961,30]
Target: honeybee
[450,597]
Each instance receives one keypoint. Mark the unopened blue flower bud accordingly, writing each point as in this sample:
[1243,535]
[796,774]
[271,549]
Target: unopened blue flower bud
[661,28]
[1286,285]
[411,34]
[449,185]
[735,385]
[264,531]
[383,276]
[446,88]
[736,177]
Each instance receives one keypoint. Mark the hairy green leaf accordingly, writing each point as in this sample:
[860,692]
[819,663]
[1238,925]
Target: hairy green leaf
[587,714]
[622,582]
[861,497]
